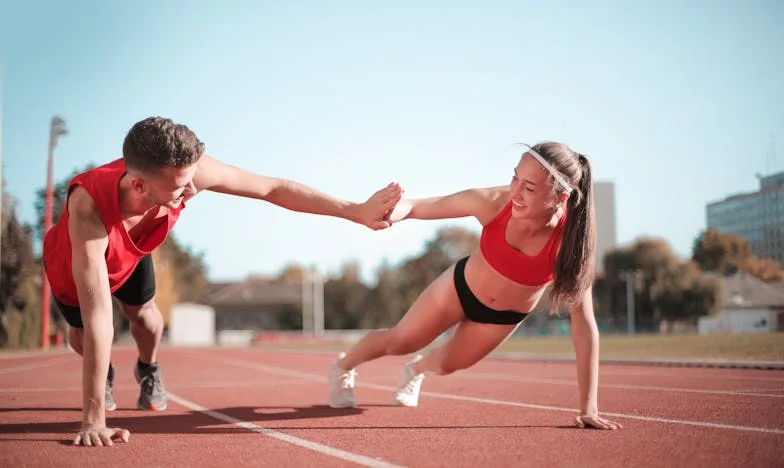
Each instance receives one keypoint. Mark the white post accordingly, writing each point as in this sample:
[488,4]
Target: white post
[307,299]
[630,276]
[318,303]
[630,302]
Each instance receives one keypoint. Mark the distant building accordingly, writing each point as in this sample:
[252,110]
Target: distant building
[750,306]
[256,304]
[604,201]
[757,217]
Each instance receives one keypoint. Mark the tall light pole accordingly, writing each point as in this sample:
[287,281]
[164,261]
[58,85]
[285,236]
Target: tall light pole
[630,276]
[1,172]
[56,129]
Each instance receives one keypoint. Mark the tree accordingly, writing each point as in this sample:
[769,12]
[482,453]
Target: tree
[345,299]
[188,269]
[449,245]
[766,269]
[665,288]
[165,288]
[602,296]
[727,254]
[385,303]
[398,287]
[349,303]
[292,272]
[654,259]
[686,294]
[724,253]
[19,287]
[17,252]
[22,316]
[59,195]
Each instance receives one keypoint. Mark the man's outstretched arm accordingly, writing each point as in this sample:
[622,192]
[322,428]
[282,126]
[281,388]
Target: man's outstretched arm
[218,177]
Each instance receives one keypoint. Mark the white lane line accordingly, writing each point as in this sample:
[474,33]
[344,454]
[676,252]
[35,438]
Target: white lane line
[608,368]
[604,413]
[322,378]
[316,447]
[37,365]
[490,376]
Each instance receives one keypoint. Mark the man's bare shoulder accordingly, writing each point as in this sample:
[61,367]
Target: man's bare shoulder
[85,221]
[81,205]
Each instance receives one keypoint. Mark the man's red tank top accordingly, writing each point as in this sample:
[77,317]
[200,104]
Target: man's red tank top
[122,255]
[524,269]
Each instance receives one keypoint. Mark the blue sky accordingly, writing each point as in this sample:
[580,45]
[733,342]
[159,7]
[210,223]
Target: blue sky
[674,102]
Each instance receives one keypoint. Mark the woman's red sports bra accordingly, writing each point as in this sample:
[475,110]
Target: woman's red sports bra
[524,269]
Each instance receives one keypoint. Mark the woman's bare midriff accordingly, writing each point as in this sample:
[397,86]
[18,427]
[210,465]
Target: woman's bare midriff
[496,291]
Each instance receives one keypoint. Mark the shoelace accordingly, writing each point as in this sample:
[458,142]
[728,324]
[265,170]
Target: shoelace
[347,379]
[150,383]
[412,382]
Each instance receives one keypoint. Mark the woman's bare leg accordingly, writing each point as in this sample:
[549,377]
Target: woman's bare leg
[471,343]
[434,312]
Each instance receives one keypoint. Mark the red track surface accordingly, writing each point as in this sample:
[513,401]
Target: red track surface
[233,407]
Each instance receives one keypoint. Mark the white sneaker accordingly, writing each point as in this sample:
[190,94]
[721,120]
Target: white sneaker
[408,392]
[341,386]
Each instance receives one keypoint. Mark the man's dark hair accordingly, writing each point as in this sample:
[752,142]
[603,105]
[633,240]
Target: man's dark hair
[156,143]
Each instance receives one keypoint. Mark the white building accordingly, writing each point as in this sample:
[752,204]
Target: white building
[750,306]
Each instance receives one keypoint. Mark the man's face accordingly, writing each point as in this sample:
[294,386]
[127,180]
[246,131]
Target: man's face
[169,186]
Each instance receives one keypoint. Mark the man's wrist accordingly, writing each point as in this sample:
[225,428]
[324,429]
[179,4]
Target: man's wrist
[94,414]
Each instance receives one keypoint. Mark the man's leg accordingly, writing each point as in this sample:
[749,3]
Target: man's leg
[147,327]
[146,324]
[137,300]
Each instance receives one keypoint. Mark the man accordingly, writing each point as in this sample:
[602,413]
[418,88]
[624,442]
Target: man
[115,216]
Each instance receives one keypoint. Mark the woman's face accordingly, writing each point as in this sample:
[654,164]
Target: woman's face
[531,191]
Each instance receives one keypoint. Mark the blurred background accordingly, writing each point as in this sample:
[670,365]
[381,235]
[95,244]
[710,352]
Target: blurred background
[678,106]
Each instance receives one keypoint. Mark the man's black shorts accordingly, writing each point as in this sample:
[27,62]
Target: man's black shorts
[137,290]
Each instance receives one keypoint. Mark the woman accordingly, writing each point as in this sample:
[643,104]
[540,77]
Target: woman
[538,230]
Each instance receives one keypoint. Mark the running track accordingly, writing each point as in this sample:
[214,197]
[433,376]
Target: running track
[238,407]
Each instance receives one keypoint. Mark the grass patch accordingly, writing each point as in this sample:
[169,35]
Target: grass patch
[745,347]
